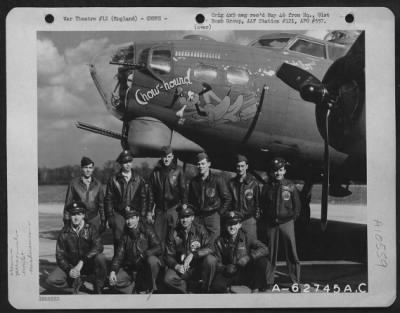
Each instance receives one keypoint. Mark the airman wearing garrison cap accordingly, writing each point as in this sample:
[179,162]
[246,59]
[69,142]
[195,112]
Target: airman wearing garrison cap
[88,190]
[245,193]
[125,188]
[281,207]
[241,261]
[138,252]
[167,187]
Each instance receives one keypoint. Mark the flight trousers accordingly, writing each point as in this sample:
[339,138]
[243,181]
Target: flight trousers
[250,276]
[212,223]
[143,277]
[164,222]
[203,270]
[58,279]
[286,231]
[117,225]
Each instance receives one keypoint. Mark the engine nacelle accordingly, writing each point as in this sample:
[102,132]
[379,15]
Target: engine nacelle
[347,120]
[146,136]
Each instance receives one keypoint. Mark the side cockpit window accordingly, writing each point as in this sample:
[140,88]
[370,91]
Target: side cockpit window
[272,43]
[307,47]
[336,51]
[237,76]
[161,61]
[207,73]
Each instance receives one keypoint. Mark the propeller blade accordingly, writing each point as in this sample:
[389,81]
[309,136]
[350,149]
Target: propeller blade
[296,77]
[325,183]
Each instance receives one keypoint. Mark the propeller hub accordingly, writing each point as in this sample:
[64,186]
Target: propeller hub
[316,93]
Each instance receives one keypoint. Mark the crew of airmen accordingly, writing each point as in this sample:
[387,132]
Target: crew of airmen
[177,236]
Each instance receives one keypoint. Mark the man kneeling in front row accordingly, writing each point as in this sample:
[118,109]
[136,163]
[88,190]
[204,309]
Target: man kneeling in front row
[78,252]
[241,261]
[136,259]
[188,255]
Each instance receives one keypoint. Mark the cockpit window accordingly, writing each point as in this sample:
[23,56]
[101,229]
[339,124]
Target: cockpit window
[336,51]
[308,47]
[123,56]
[161,61]
[205,72]
[275,43]
[237,76]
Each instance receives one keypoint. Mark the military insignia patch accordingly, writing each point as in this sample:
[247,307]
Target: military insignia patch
[286,195]
[249,194]
[173,180]
[195,245]
[210,192]
[85,233]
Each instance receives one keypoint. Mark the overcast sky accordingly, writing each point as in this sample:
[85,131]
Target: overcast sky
[66,92]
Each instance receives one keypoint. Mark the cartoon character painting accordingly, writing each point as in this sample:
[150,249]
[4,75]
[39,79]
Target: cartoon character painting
[214,109]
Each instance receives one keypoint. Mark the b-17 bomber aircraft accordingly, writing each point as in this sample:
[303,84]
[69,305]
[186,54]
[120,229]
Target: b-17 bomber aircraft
[284,94]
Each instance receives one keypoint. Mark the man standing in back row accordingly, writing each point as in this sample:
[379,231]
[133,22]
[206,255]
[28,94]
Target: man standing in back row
[126,188]
[88,190]
[281,207]
[210,196]
[245,197]
[168,188]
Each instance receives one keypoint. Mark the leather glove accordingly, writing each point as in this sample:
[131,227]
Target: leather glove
[102,227]
[244,260]
[230,269]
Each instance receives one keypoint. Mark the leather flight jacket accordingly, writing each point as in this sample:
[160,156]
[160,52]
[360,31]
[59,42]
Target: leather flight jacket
[230,252]
[134,246]
[281,201]
[92,197]
[245,196]
[179,246]
[73,247]
[120,194]
[168,187]
[209,195]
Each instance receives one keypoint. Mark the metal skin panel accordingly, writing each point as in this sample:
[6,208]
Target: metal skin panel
[276,130]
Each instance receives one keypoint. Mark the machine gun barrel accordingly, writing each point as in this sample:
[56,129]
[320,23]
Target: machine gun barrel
[98,130]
